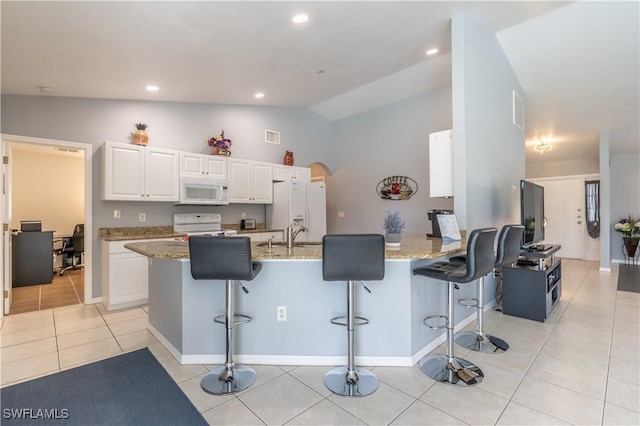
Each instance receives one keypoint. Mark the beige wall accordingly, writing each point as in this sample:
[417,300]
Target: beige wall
[47,187]
[583,166]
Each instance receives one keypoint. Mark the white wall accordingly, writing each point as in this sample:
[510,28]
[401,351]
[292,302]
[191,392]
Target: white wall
[625,196]
[489,156]
[47,187]
[583,166]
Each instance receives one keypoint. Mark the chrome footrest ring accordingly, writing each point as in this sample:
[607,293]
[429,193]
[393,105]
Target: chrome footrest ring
[469,303]
[343,321]
[237,319]
[426,320]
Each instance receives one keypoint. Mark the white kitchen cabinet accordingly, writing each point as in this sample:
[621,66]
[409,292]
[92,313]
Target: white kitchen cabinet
[139,173]
[202,165]
[250,182]
[441,164]
[125,276]
[287,173]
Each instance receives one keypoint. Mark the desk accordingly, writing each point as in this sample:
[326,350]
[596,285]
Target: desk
[32,258]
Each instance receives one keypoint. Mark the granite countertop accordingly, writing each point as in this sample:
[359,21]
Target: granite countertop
[412,247]
[138,233]
[158,232]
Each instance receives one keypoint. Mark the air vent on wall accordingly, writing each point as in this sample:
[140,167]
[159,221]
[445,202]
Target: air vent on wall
[271,136]
[518,111]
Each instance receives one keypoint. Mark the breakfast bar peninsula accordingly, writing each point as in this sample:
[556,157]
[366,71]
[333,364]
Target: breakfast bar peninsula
[181,309]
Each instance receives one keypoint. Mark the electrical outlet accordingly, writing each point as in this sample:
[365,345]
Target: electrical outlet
[282,313]
[117,214]
[340,214]
[243,215]
[142,217]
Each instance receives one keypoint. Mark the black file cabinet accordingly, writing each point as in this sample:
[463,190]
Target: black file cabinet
[32,258]
[532,291]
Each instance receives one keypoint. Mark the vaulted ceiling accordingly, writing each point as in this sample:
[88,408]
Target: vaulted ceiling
[578,62]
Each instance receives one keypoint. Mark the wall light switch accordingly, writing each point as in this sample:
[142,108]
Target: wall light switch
[340,214]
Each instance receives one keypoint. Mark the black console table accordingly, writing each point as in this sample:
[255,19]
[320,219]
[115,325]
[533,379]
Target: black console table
[32,258]
[532,287]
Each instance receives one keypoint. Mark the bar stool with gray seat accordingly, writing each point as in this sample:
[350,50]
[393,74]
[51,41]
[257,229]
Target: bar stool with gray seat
[229,259]
[509,242]
[351,258]
[480,260]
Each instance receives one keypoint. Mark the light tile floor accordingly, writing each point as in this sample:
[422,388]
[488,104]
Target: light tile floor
[581,367]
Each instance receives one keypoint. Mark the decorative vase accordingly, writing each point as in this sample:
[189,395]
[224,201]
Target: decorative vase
[220,151]
[288,158]
[392,240]
[631,244]
[140,137]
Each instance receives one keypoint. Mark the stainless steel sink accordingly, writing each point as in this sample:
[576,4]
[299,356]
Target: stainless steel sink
[295,244]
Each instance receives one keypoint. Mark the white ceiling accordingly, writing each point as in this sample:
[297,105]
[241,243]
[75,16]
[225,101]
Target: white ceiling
[578,63]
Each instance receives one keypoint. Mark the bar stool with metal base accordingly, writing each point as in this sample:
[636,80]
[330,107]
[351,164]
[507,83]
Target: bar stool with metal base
[508,252]
[229,259]
[479,262]
[351,258]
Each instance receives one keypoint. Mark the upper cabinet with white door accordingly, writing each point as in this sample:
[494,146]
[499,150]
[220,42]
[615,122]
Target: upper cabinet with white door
[139,173]
[441,164]
[287,173]
[250,182]
[203,166]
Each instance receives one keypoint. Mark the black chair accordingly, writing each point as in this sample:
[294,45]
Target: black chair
[74,248]
[229,259]
[480,260]
[508,252]
[351,258]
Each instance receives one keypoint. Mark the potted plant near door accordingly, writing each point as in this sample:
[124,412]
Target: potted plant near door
[393,226]
[630,229]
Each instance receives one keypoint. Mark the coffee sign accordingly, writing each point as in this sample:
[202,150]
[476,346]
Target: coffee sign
[396,188]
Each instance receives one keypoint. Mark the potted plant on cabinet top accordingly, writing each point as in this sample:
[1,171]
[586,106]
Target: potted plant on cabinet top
[220,145]
[140,136]
[393,226]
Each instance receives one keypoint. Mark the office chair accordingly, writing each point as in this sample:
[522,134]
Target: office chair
[75,249]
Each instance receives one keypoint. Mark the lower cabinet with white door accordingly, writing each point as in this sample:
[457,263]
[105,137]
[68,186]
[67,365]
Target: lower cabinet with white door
[125,276]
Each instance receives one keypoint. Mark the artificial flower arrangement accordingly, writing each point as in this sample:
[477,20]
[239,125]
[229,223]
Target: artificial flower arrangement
[628,226]
[393,224]
[220,141]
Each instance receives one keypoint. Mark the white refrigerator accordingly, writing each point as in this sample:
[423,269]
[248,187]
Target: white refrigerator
[303,202]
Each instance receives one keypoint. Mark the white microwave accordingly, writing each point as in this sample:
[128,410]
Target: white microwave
[203,192]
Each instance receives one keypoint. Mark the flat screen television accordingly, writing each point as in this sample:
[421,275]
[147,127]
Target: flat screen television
[531,213]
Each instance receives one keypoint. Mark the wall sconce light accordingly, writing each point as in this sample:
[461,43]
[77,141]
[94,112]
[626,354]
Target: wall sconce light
[543,146]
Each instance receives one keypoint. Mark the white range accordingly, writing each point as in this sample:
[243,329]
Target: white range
[201,224]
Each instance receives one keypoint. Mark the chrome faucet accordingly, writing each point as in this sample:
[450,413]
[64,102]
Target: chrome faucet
[292,232]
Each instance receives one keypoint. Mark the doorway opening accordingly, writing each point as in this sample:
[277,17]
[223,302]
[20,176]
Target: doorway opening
[51,180]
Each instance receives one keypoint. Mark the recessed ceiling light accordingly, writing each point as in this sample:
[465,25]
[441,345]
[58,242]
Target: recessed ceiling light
[300,18]
[432,51]
[258,95]
[152,88]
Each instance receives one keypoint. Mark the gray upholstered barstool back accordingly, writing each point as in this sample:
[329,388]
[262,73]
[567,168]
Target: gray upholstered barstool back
[480,260]
[351,258]
[228,259]
[222,258]
[509,242]
[358,257]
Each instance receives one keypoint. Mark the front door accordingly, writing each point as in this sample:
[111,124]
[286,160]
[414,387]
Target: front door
[564,211]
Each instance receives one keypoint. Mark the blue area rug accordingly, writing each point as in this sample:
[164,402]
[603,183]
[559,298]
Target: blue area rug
[130,389]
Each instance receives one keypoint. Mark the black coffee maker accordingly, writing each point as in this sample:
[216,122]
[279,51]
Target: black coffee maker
[435,226]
